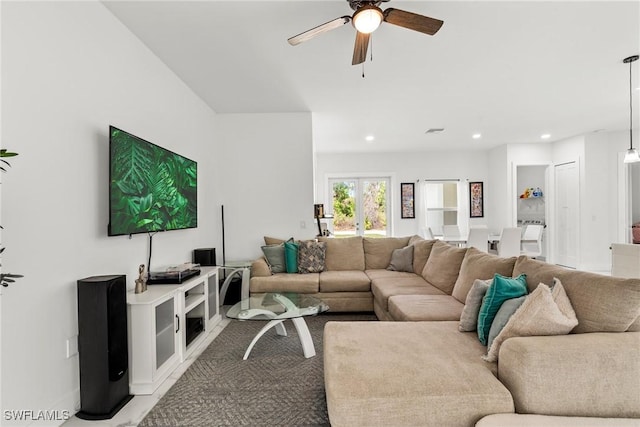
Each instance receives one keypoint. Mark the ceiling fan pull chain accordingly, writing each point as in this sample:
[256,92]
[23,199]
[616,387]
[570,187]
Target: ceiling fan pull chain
[371,47]
[363,70]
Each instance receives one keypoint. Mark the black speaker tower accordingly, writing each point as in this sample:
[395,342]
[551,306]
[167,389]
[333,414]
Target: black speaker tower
[102,344]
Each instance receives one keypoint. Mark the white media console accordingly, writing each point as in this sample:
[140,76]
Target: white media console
[166,323]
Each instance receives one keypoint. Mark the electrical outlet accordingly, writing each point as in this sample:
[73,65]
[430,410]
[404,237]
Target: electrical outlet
[72,346]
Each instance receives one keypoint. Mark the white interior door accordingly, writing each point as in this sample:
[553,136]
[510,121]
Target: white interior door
[567,193]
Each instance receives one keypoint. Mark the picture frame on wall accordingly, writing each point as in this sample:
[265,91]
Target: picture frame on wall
[476,200]
[407,200]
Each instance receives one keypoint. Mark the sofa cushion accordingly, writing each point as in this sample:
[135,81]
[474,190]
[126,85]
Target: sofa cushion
[344,281]
[311,256]
[424,307]
[385,288]
[602,303]
[544,312]
[377,251]
[428,373]
[384,274]
[501,289]
[592,375]
[402,260]
[479,265]
[421,252]
[274,254]
[344,253]
[443,266]
[469,315]
[532,420]
[285,282]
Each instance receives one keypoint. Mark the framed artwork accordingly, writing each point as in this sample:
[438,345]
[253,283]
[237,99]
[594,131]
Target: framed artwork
[407,200]
[476,200]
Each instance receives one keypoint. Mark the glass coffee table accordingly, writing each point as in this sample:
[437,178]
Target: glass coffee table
[276,308]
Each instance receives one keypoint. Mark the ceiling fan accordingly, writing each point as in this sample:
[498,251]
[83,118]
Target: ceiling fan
[366,19]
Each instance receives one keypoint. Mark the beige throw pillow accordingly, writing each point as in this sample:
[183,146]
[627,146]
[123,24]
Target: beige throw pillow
[479,265]
[469,316]
[544,312]
[443,266]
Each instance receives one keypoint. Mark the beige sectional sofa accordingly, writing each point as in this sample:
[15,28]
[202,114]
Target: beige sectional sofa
[419,369]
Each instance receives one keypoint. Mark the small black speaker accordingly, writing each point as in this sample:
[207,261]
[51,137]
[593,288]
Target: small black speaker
[102,345]
[205,256]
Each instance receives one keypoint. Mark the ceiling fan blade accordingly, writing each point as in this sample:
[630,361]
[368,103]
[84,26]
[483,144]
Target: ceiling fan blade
[327,26]
[412,21]
[360,48]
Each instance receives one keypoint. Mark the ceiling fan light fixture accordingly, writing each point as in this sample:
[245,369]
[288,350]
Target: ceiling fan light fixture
[367,19]
[632,156]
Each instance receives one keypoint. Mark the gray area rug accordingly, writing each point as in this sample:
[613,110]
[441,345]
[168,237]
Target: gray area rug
[275,386]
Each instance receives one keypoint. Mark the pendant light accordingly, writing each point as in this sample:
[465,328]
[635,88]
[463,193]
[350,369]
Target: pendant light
[632,155]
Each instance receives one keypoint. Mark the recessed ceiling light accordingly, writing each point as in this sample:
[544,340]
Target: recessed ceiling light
[476,136]
[545,136]
[369,138]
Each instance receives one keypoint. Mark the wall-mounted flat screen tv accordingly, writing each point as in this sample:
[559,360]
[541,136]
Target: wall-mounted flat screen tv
[150,188]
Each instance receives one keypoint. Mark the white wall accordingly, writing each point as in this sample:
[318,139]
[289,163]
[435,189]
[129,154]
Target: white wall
[266,180]
[406,167]
[69,69]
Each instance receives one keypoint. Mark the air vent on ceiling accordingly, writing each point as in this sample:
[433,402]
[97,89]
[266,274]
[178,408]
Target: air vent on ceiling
[435,130]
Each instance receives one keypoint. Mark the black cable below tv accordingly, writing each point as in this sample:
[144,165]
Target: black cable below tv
[171,277]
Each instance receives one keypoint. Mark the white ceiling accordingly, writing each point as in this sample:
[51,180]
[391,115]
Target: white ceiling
[510,70]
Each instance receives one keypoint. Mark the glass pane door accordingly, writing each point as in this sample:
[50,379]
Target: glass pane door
[360,207]
[345,223]
[374,207]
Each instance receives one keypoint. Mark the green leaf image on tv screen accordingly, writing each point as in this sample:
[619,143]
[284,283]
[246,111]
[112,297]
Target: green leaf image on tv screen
[152,189]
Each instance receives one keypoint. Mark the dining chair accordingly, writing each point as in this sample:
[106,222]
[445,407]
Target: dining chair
[509,244]
[427,233]
[478,238]
[625,260]
[450,231]
[532,241]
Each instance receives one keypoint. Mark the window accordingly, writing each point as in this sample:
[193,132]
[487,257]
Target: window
[442,205]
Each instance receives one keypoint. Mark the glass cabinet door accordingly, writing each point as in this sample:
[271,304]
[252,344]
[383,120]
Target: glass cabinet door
[165,331]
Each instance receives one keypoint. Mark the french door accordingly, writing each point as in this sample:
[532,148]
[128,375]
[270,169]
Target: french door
[360,206]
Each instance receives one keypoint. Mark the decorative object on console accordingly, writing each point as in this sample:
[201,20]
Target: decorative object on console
[476,200]
[632,155]
[141,281]
[407,200]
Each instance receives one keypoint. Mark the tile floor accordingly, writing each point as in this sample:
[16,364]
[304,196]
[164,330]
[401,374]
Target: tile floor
[134,411]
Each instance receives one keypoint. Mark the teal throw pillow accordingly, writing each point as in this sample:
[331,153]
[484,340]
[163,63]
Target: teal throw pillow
[291,256]
[501,289]
[275,257]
